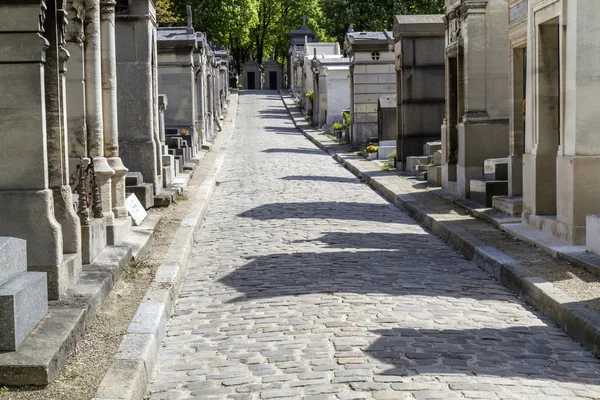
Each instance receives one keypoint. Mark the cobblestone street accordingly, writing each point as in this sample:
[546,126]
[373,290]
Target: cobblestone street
[305,283]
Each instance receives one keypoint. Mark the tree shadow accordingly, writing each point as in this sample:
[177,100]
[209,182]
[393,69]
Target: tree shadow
[274,111]
[394,272]
[296,151]
[321,179]
[327,210]
[282,130]
[532,352]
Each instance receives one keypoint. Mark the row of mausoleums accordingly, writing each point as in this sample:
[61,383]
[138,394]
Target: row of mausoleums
[97,103]
[494,101]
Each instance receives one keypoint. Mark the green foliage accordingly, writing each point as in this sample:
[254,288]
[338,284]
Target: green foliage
[372,15]
[310,95]
[337,126]
[392,154]
[260,28]
[346,115]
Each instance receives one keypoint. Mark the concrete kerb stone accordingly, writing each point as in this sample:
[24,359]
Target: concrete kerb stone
[134,364]
[578,321]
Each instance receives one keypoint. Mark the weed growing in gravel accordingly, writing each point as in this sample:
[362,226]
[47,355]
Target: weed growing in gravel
[133,269]
[180,197]
[3,391]
[385,166]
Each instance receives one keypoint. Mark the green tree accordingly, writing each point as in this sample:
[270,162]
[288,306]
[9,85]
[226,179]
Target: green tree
[371,15]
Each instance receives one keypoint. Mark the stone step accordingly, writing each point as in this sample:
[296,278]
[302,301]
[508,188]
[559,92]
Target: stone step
[23,294]
[496,169]
[483,191]
[144,193]
[421,168]
[13,258]
[434,175]
[23,303]
[421,176]
[509,205]
[165,197]
[413,161]
[431,147]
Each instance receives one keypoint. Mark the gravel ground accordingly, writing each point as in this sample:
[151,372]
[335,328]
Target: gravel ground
[85,369]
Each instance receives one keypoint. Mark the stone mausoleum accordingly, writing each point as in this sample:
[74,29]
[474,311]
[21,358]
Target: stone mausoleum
[372,75]
[420,87]
[475,127]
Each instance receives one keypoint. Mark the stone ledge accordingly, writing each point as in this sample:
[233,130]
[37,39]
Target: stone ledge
[44,352]
[579,322]
[135,362]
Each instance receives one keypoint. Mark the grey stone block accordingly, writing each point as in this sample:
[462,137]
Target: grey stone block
[140,347]
[23,303]
[13,258]
[118,231]
[134,179]
[125,380]
[93,240]
[167,174]
[144,192]
[430,148]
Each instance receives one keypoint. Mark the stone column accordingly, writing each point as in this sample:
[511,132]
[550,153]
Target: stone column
[27,203]
[93,96]
[109,109]
[56,130]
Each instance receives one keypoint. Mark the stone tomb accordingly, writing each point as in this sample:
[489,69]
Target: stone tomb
[311,52]
[420,83]
[475,127]
[137,74]
[331,89]
[273,75]
[298,38]
[176,79]
[252,75]
[371,76]
[561,160]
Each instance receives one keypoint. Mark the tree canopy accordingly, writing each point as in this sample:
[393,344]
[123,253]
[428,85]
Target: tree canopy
[260,28]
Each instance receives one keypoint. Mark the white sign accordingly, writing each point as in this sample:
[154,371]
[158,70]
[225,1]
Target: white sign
[135,208]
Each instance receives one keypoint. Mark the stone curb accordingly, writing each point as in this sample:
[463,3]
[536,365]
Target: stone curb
[579,322]
[135,362]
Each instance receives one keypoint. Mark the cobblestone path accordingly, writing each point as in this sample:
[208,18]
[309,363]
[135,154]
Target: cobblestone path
[307,284]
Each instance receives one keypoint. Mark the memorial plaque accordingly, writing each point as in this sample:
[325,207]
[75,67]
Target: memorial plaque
[135,208]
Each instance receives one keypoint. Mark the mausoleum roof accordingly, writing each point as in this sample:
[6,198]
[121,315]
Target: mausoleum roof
[367,41]
[176,37]
[419,25]
[297,36]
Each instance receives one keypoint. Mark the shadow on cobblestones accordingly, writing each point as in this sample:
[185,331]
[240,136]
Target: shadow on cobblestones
[282,131]
[361,272]
[535,352]
[325,210]
[296,151]
[338,179]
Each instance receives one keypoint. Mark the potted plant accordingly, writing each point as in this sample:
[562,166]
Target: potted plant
[338,129]
[371,152]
